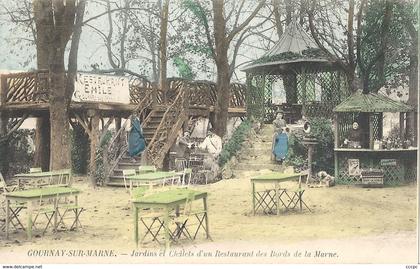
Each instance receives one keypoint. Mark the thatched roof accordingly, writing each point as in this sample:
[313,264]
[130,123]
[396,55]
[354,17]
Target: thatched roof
[294,47]
[371,102]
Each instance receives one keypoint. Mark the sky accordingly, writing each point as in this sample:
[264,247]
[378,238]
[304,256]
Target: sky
[91,50]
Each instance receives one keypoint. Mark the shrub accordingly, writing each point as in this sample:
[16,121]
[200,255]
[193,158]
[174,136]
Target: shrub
[232,147]
[297,153]
[100,167]
[323,158]
[17,152]
[80,152]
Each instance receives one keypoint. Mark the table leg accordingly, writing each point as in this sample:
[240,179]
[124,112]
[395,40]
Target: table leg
[277,187]
[166,226]
[7,217]
[136,225]
[76,202]
[253,197]
[207,217]
[55,214]
[29,226]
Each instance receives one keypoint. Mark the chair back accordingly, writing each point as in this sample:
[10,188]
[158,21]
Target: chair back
[181,164]
[126,173]
[147,168]
[2,184]
[188,204]
[35,170]
[187,176]
[65,178]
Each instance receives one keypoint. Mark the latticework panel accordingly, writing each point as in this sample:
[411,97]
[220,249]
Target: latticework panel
[269,110]
[401,170]
[290,87]
[377,126]
[255,96]
[317,92]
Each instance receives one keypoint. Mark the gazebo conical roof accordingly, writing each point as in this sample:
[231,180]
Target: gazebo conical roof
[371,102]
[294,50]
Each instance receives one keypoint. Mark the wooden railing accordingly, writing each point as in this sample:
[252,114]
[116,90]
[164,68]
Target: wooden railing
[118,144]
[33,87]
[203,93]
[168,128]
[28,87]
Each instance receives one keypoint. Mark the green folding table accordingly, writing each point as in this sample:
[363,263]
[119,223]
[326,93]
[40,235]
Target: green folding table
[167,201]
[272,199]
[32,195]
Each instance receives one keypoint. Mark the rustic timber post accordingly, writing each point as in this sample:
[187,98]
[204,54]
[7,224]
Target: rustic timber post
[336,137]
[117,124]
[402,128]
[3,126]
[371,137]
[94,137]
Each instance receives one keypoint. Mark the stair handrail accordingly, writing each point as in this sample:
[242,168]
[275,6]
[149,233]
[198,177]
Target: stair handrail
[140,109]
[118,143]
[167,124]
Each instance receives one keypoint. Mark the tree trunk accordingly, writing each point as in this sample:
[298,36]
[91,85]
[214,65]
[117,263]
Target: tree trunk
[277,17]
[4,145]
[59,115]
[54,26]
[223,96]
[412,128]
[163,46]
[42,143]
[222,64]
[42,131]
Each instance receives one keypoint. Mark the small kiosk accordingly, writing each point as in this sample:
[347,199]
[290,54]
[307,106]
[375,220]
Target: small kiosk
[361,146]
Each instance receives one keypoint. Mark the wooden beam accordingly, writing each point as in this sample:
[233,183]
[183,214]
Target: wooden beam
[84,124]
[402,126]
[371,137]
[94,139]
[336,137]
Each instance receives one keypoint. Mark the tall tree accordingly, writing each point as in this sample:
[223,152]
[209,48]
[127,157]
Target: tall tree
[225,25]
[163,44]
[55,23]
[222,41]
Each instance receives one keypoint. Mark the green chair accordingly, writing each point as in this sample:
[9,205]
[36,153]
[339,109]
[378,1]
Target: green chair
[68,210]
[14,208]
[186,220]
[46,208]
[185,177]
[297,197]
[126,173]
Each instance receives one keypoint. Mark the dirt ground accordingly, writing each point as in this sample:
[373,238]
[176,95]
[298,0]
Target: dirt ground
[348,224]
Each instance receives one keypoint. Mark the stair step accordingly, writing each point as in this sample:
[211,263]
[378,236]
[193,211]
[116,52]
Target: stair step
[256,167]
[115,184]
[127,159]
[117,178]
[128,165]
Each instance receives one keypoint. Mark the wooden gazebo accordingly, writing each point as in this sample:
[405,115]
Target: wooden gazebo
[397,159]
[313,82]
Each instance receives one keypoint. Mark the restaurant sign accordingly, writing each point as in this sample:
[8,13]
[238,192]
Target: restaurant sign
[388,162]
[101,88]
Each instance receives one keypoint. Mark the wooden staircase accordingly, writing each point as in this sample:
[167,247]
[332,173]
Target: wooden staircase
[160,126]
